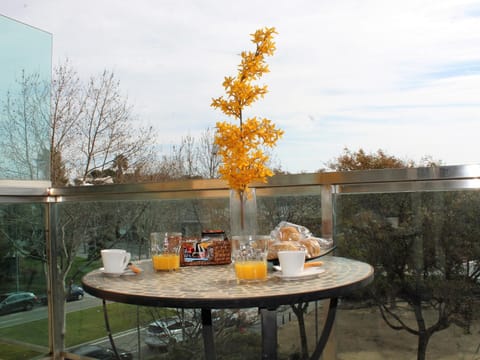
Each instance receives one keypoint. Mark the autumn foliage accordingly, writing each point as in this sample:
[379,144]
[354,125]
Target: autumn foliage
[360,160]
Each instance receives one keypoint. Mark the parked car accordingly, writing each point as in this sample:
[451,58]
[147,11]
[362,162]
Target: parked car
[102,353]
[226,318]
[17,301]
[161,333]
[76,293]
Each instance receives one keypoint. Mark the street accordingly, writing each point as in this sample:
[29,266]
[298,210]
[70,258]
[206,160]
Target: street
[41,311]
[130,340]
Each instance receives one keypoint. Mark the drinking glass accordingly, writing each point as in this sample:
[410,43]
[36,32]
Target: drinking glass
[165,250]
[249,257]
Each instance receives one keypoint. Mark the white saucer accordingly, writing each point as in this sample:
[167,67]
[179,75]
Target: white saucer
[306,274]
[125,272]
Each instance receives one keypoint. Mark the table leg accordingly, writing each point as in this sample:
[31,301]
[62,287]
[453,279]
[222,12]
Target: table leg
[207,332]
[109,331]
[269,334]
[327,328]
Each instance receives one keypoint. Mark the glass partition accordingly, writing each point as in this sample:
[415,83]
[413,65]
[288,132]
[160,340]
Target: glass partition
[425,297]
[23,286]
[88,226]
[420,232]
[25,78]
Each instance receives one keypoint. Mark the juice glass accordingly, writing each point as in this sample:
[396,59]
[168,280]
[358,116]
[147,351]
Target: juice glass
[165,251]
[165,262]
[249,256]
[251,270]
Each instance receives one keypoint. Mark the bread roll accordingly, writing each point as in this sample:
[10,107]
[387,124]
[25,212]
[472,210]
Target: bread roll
[289,236]
[282,246]
[312,245]
[290,233]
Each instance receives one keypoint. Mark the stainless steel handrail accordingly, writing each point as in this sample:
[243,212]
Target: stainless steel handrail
[382,180]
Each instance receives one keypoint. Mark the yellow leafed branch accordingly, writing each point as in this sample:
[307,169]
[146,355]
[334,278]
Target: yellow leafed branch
[241,145]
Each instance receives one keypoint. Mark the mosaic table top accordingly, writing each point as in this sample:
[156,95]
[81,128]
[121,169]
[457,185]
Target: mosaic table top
[216,286]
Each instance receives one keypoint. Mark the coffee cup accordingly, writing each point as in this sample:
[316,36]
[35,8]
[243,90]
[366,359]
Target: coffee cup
[115,261]
[291,262]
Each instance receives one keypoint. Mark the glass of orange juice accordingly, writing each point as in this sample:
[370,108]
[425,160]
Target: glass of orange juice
[165,250]
[249,256]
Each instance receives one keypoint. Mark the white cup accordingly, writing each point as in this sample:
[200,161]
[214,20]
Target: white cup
[115,261]
[291,262]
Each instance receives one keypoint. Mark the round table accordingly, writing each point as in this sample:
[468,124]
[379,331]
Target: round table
[215,287]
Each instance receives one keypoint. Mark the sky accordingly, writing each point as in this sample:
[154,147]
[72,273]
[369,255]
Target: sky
[398,75]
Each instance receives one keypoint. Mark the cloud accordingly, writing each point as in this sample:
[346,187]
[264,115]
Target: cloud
[397,75]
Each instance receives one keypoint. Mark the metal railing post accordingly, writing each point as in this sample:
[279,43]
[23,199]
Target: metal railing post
[55,292]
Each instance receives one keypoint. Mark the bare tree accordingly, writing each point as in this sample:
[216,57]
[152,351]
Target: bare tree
[120,165]
[24,122]
[182,160]
[190,156]
[105,129]
[208,159]
[67,107]
[193,158]
[93,126]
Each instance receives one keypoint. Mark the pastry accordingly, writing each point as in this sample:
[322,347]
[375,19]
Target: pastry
[290,233]
[312,245]
[282,246]
[289,236]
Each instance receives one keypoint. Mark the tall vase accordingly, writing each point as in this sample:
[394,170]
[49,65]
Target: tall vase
[243,214]
[249,253]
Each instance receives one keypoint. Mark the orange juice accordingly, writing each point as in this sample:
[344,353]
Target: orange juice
[251,270]
[166,262]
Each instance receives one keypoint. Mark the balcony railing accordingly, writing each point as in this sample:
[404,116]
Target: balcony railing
[418,226]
